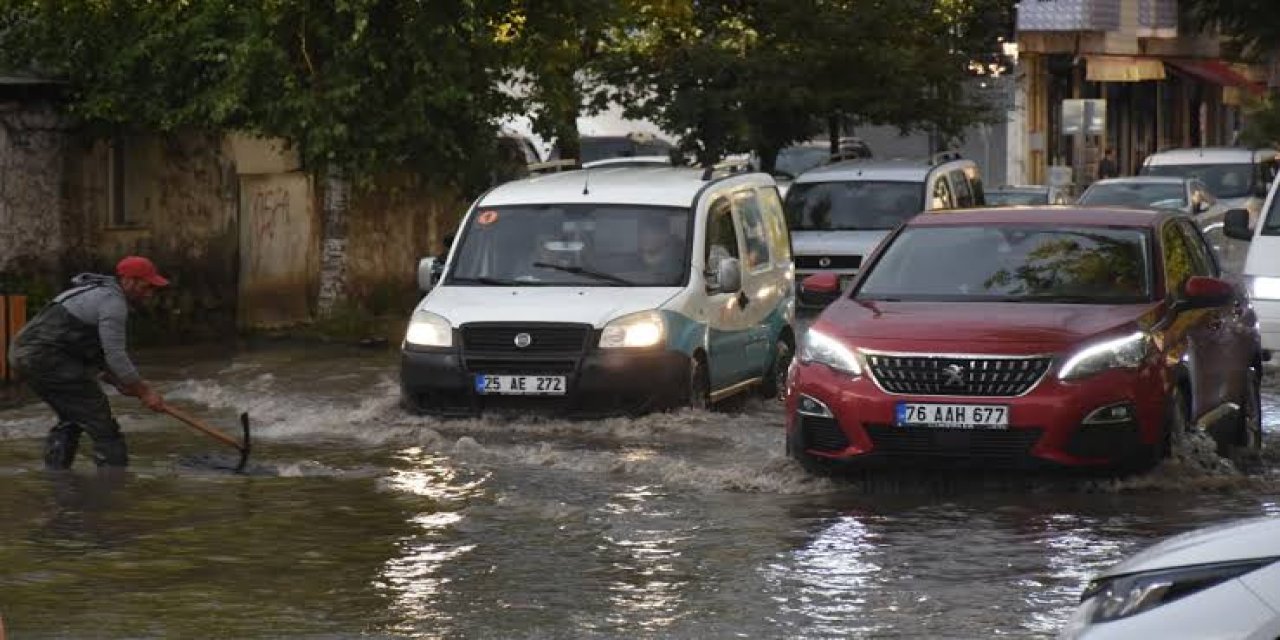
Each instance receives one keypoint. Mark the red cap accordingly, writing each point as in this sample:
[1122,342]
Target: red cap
[142,268]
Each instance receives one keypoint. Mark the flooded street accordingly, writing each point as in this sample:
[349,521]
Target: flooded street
[358,520]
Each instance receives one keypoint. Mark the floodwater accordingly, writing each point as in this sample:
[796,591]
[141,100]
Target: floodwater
[357,520]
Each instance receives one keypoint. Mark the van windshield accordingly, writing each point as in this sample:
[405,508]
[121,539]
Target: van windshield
[856,205]
[1222,180]
[605,245]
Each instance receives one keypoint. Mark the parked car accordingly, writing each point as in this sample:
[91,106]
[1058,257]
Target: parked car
[1237,175]
[798,158]
[838,213]
[1221,581]
[1262,263]
[1025,195]
[600,292]
[630,145]
[1185,195]
[1064,337]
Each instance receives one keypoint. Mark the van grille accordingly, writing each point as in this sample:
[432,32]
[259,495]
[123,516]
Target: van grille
[500,338]
[957,375]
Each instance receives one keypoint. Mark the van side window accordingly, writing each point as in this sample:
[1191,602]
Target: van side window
[775,220]
[941,198]
[980,196]
[722,239]
[960,186]
[1267,169]
[753,231]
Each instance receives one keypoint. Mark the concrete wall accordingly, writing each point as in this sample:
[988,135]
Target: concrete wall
[31,200]
[279,249]
[181,204]
[389,227]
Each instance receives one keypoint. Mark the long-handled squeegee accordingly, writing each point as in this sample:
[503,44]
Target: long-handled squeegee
[197,424]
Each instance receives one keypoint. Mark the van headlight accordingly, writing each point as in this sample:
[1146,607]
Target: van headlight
[1126,352]
[428,329]
[644,329]
[1119,597]
[1264,288]
[820,348]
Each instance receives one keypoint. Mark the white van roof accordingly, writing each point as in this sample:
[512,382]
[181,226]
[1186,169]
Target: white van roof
[1210,155]
[660,186]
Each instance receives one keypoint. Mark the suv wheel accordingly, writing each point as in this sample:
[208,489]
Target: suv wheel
[1249,431]
[1176,423]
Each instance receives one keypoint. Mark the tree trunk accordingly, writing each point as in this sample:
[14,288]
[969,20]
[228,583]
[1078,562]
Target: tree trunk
[333,260]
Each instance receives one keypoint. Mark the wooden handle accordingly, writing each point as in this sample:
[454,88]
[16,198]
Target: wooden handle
[197,424]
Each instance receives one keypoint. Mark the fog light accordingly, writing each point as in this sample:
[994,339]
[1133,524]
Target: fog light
[1111,414]
[810,407]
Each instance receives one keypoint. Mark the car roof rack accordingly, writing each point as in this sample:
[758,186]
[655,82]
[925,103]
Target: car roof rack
[741,165]
[552,166]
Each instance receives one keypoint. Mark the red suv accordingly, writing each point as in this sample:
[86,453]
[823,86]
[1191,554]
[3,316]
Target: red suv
[1027,337]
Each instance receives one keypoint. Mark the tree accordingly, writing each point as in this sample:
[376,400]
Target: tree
[1252,29]
[737,75]
[365,85]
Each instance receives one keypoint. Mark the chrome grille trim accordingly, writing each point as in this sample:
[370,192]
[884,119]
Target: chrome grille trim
[984,375]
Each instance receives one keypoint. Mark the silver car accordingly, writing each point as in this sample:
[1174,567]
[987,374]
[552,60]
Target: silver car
[1217,582]
[1187,195]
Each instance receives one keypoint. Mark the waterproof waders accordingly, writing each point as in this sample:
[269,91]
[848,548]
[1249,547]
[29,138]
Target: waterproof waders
[59,357]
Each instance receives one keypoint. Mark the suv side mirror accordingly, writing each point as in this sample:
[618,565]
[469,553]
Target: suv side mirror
[1235,224]
[426,274]
[1201,292]
[727,277]
[820,289]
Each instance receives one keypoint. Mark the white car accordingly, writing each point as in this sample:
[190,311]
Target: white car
[1262,263]
[1218,582]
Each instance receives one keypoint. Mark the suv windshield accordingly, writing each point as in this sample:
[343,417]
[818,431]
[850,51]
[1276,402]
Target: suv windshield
[605,245]
[1222,180]
[1139,195]
[857,205]
[1013,264]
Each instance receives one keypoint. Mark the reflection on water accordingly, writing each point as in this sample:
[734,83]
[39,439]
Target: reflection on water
[365,521]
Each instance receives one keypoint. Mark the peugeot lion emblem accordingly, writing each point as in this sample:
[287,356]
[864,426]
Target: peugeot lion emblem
[523,340]
[955,375]
[824,261]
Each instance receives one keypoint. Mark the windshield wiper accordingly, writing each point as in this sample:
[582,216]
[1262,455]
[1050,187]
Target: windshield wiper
[598,275]
[492,282]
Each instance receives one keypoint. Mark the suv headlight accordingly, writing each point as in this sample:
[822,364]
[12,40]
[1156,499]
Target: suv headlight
[1263,288]
[644,329]
[428,329]
[1111,599]
[820,348]
[1126,352]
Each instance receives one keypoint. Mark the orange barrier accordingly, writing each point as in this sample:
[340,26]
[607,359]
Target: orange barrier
[13,316]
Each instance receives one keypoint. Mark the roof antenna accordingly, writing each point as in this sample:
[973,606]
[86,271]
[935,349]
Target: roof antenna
[586,182]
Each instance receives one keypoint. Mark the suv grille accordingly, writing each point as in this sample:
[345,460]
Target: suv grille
[1003,445]
[500,338]
[957,376]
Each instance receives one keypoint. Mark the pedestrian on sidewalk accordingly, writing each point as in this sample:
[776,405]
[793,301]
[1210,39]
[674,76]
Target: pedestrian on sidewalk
[74,342]
[1107,165]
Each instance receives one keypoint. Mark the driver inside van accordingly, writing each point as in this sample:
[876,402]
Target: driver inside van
[660,252]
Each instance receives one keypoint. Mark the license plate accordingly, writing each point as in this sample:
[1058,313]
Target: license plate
[520,385]
[953,416]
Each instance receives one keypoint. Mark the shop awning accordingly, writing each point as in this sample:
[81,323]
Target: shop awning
[1122,69]
[1217,72]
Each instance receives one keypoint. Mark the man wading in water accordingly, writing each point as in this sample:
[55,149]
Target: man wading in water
[61,352]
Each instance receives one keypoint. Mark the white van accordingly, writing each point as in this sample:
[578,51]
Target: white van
[839,213]
[1262,264]
[605,291]
[1236,176]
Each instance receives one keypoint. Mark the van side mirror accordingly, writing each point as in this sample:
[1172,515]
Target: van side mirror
[1235,224]
[820,289]
[727,277]
[426,274]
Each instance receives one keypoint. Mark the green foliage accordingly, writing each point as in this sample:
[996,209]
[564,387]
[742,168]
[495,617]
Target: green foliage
[367,85]
[1262,123]
[1253,26]
[733,76]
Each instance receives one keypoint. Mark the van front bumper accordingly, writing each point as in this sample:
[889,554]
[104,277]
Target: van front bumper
[1268,312]
[599,383]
